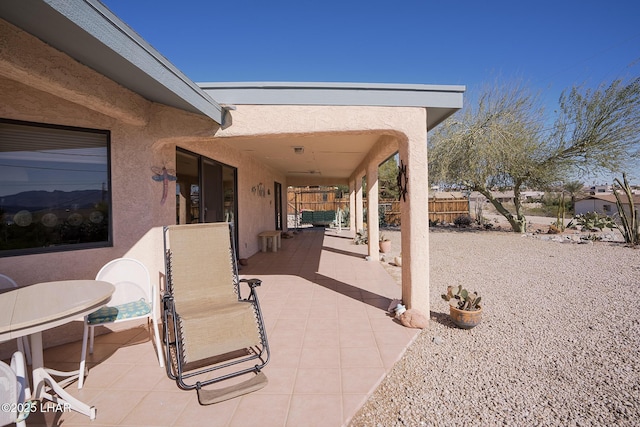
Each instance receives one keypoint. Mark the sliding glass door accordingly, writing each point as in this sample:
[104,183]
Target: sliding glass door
[277,201]
[206,190]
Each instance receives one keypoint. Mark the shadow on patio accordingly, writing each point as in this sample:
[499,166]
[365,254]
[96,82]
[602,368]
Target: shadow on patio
[331,341]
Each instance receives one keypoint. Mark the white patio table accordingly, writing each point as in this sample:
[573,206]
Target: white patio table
[32,309]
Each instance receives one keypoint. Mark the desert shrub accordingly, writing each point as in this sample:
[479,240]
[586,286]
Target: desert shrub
[593,221]
[362,237]
[462,221]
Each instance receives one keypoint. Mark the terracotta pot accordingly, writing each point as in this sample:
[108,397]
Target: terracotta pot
[385,246]
[465,319]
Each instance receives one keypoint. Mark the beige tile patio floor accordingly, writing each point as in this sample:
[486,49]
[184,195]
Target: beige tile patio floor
[331,344]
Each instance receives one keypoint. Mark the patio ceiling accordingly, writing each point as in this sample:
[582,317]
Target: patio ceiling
[310,160]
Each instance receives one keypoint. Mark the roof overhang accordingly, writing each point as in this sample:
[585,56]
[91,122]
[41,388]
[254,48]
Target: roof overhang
[323,158]
[441,101]
[91,34]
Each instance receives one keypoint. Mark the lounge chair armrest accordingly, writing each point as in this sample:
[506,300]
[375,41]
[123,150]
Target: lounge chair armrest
[252,282]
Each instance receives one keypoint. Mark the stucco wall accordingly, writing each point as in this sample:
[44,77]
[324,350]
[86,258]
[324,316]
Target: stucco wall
[143,135]
[591,205]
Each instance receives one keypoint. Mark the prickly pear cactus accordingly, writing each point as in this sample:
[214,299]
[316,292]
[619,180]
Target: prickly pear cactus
[462,299]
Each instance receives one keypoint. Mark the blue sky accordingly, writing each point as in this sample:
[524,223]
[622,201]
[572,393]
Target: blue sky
[550,45]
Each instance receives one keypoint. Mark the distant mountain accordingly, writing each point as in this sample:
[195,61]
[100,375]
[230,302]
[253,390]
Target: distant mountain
[39,200]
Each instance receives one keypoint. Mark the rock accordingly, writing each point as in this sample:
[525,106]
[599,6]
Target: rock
[413,318]
[437,340]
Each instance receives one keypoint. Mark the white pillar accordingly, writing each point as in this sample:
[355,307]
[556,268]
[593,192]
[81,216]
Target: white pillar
[359,205]
[352,206]
[372,211]
[415,220]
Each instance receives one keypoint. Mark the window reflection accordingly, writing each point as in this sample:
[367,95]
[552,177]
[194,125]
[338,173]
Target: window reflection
[54,188]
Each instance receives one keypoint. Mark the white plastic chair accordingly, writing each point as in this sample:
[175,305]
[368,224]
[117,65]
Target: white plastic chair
[14,391]
[134,298]
[7,282]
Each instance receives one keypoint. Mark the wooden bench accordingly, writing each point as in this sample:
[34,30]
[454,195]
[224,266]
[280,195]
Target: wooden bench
[274,236]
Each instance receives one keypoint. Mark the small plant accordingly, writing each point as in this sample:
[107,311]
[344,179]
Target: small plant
[384,238]
[462,221]
[362,238]
[434,222]
[593,221]
[462,299]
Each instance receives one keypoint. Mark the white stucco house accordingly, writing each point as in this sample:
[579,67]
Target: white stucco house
[90,113]
[604,204]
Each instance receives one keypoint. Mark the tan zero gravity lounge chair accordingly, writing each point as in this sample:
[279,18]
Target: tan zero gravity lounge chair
[209,328]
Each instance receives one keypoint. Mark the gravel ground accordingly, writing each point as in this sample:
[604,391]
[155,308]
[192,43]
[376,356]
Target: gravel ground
[558,345]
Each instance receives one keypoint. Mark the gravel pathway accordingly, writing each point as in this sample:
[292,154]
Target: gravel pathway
[559,344]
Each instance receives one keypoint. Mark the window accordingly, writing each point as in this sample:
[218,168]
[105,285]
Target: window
[55,189]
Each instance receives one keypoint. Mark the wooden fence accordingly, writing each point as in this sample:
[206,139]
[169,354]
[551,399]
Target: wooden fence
[315,200]
[441,208]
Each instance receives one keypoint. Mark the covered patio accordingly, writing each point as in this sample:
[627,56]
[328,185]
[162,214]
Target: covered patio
[332,343]
[78,70]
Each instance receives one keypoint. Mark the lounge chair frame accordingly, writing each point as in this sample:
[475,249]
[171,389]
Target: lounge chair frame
[176,368]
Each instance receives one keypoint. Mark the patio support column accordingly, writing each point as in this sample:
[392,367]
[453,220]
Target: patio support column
[352,206]
[359,205]
[415,219]
[372,211]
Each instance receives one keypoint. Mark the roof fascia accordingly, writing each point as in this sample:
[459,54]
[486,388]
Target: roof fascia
[109,46]
[440,100]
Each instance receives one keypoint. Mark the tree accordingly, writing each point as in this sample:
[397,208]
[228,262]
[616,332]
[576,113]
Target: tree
[489,145]
[574,189]
[388,179]
[501,142]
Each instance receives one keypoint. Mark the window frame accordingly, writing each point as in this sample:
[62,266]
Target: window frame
[73,246]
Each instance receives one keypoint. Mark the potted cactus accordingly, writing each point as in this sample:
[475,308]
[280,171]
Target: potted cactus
[464,306]
[385,244]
